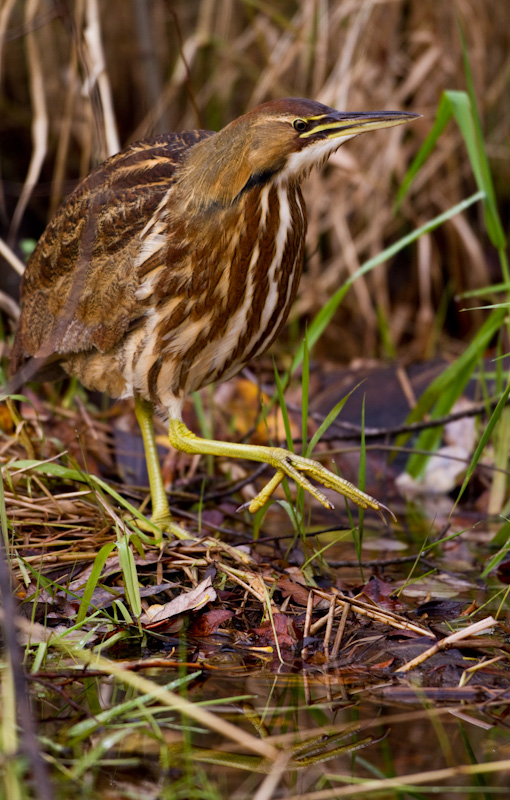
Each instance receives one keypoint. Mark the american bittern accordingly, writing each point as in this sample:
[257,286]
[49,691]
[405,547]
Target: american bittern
[175,263]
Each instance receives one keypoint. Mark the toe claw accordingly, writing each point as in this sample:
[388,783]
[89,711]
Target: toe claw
[300,469]
[381,508]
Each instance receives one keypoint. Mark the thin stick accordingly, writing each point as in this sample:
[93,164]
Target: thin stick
[340,631]
[99,74]
[372,612]
[308,624]
[39,121]
[471,630]
[11,258]
[329,627]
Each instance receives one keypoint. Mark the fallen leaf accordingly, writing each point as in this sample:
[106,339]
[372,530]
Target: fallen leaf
[295,590]
[283,627]
[209,622]
[187,601]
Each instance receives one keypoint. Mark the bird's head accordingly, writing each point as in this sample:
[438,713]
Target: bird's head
[280,139]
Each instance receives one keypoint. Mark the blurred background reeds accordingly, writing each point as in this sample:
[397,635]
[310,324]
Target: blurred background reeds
[80,79]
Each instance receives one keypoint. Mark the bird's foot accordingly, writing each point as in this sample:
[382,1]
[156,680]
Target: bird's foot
[300,469]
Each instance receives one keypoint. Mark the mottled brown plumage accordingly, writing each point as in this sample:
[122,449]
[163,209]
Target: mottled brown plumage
[177,261]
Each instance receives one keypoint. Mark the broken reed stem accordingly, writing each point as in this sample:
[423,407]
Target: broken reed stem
[329,627]
[454,638]
[308,624]
[366,610]
[340,630]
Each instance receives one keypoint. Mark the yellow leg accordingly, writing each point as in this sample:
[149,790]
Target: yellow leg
[161,515]
[283,461]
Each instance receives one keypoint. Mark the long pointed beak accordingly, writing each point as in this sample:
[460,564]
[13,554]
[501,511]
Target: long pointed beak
[334,126]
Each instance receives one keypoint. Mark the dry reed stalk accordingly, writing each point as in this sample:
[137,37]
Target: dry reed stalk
[227,57]
[40,122]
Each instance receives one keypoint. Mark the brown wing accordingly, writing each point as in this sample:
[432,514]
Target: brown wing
[78,290]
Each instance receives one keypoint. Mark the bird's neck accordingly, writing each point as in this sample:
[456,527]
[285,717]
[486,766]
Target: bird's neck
[218,171]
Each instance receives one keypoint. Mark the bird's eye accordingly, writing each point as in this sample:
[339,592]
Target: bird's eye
[300,125]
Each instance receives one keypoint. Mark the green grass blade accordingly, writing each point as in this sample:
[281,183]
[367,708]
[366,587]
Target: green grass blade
[362,476]
[283,407]
[466,116]
[490,307]
[496,414]
[305,387]
[128,567]
[442,393]
[3,520]
[494,288]
[429,439]
[48,468]
[324,316]
[462,106]
[492,218]
[331,417]
[86,727]
[443,116]
[126,616]
[92,580]
[503,535]
[462,111]
[205,425]
[389,350]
